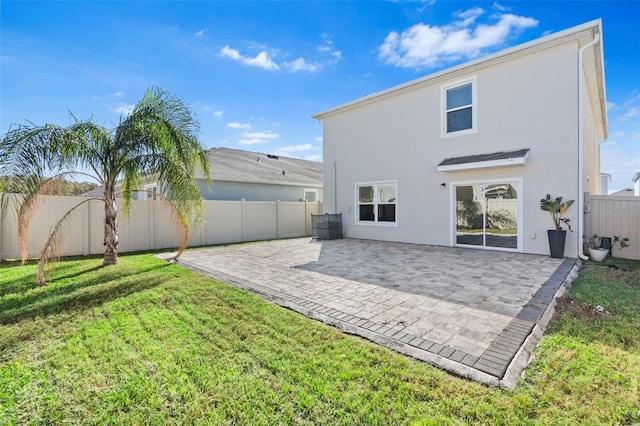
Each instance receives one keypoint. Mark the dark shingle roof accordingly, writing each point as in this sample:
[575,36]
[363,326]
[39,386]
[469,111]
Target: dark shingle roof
[235,165]
[484,157]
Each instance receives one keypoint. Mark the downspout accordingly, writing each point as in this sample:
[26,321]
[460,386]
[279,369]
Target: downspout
[335,187]
[581,254]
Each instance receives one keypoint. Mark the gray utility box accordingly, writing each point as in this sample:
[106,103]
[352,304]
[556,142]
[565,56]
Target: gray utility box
[326,226]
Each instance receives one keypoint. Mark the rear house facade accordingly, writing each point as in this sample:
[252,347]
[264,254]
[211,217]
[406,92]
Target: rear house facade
[463,156]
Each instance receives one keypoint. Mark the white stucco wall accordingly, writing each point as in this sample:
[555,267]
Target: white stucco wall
[528,102]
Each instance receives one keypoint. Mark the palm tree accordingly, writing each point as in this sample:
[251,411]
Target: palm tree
[157,139]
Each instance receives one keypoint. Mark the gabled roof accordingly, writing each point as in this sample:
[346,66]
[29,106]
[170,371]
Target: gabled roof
[234,165]
[594,73]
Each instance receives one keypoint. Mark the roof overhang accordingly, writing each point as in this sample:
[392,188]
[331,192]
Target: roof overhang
[485,161]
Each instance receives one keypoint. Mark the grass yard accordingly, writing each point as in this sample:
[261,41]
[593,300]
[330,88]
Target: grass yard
[146,342]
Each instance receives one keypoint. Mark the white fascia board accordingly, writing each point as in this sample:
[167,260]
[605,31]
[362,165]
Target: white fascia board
[507,162]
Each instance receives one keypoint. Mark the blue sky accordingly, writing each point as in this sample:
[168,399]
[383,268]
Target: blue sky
[254,72]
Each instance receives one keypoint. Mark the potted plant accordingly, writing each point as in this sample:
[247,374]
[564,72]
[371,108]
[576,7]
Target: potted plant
[596,253]
[598,250]
[557,236]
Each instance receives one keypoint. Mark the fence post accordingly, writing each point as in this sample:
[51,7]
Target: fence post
[151,209]
[277,219]
[244,221]
[306,213]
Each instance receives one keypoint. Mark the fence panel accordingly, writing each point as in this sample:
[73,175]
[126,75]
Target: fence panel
[291,219]
[261,220]
[610,215]
[149,225]
[223,222]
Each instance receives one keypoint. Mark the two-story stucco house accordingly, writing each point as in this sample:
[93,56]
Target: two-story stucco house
[463,156]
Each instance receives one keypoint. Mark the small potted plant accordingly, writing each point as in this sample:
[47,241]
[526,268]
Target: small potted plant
[596,250]
[557,236]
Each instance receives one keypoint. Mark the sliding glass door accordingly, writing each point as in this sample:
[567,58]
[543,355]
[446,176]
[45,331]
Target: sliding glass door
[487,215]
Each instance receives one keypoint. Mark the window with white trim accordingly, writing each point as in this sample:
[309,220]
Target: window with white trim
[458,108]
[376,202]
[311,195]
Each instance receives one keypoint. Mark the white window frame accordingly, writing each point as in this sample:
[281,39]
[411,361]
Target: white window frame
[309,190]
[375,222]
[443,107]
[452,213]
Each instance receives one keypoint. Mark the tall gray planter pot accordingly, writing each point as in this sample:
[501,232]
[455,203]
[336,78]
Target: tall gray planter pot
[556,243]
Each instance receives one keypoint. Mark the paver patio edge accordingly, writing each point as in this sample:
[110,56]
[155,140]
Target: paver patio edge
[524,356]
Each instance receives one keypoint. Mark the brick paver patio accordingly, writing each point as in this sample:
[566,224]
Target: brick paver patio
[476,313]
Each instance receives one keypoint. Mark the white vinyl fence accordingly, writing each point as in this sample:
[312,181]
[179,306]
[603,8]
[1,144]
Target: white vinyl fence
[149,226]
[608,216]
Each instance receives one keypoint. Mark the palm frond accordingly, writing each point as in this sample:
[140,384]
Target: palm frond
[52,247]
[27,205]
[160,138]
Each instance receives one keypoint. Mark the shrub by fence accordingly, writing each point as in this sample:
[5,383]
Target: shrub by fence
[148,226]
[610,215]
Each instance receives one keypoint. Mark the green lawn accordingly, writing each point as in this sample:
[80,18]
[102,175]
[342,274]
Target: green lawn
[146,342]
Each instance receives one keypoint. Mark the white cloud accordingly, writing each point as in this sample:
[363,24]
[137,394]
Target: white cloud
[500,7]
[619,160]
[265,59]
[630,113]
[251,141]
[123,109]
[318,139]
[427,46]
[635,98]
[262,60]
[314,157]
[218,114]
[115,94]
[468,16]
[261,135]
[241,126]
[611,106]
[200,33]
[301,64]
[296,148]
[252,138]
[327,47]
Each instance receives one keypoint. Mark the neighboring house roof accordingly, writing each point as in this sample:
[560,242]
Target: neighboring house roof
[628,192]
[95,192]
[234,165]
[594,73]
[495,159]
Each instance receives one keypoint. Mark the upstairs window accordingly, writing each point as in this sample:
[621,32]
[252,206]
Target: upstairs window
[377,202]
[459,113]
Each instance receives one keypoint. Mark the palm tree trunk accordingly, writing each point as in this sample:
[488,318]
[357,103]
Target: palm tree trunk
[110,232]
